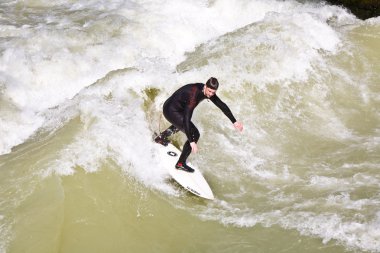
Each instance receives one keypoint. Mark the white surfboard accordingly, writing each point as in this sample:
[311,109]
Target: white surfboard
[194,182]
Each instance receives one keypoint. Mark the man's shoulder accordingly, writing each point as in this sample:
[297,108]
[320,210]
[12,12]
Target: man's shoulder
[194,84]
[214,98]
[191,86]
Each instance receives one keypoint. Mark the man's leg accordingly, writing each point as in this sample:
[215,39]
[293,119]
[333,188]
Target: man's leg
[186,150]
[176,119]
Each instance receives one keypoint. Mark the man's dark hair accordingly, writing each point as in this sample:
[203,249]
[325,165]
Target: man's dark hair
[212,83]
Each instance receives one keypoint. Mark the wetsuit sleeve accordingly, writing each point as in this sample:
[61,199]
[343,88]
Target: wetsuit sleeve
[223,107]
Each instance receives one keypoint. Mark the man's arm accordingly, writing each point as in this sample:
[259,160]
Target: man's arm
[226,110]
[223,107]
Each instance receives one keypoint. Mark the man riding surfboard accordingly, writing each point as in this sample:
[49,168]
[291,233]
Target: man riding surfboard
[178,110]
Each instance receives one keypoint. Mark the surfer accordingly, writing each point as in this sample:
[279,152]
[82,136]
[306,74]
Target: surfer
[178,110]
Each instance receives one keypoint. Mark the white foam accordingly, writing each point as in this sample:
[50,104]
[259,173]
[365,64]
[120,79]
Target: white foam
[373,21]
[114,128]
[329,182]
[46,63]
[328,226]
[354,234]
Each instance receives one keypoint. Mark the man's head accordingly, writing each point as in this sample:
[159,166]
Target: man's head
[212,85]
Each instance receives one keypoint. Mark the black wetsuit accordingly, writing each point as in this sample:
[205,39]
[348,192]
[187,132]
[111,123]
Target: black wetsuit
[178,110]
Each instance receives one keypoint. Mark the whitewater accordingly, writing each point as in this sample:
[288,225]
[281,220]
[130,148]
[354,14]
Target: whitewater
[82,84]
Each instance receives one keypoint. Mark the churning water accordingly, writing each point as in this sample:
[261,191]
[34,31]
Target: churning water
[82,83]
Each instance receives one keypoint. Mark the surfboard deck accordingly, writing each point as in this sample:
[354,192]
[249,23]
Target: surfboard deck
[194,182]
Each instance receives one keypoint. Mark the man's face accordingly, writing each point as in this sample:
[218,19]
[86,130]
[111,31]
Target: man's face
[209,92]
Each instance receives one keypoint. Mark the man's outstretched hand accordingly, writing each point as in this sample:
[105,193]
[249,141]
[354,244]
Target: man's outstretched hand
[238,126]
